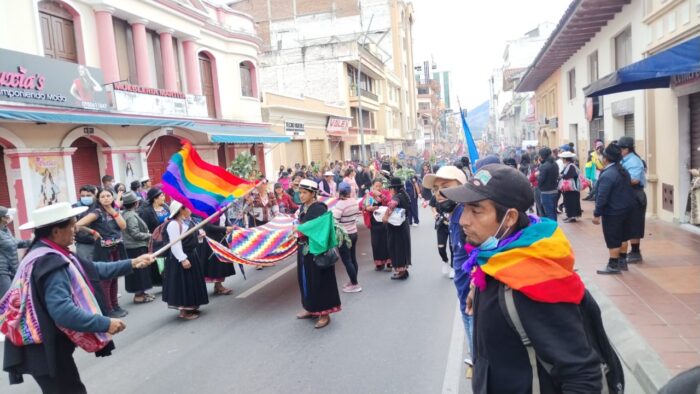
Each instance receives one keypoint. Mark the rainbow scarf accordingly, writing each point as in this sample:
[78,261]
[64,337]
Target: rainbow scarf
[200,186]
[18,318]
[537,261]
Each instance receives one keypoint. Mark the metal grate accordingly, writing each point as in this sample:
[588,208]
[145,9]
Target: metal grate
[667,195]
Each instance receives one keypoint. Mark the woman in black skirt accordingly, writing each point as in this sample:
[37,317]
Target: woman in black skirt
[136,237]
[399,237]
[318,286]
[214,270]
[572,199]
[183,280]
[376,198]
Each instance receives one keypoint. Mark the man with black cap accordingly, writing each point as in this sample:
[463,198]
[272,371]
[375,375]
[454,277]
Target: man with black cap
[636,168]
[522,274]
[615,204]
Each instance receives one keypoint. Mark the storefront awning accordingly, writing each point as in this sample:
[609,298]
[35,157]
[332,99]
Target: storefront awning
[651,73]
[229,134]
[86,118]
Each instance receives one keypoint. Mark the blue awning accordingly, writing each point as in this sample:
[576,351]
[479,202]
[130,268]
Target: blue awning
[90,119]
[651,73]
[240,134]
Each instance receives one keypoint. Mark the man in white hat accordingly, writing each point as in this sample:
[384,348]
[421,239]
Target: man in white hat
[448,228]
[60,299]
[327,187]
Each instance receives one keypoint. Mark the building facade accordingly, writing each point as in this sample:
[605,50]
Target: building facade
[357,55]
[107,87]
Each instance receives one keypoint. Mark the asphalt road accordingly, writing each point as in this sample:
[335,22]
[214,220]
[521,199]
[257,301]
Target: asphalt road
[393,337]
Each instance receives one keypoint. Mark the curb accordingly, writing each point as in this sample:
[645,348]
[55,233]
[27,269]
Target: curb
[634,351]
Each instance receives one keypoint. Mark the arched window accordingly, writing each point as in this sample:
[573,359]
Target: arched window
[248,79]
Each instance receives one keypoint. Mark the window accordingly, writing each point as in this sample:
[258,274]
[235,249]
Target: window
[367,119]
[247,79]
[424,106]
[57,32]
[623,49]
[572,83]
[155,59]
[593,67]
[124,42]
[207,76]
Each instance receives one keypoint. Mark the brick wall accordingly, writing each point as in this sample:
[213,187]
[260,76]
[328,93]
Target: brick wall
[346,8]
[307,7]
[282,9]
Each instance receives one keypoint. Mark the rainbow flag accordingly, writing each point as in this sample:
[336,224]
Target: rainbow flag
[200,186]
[539,262]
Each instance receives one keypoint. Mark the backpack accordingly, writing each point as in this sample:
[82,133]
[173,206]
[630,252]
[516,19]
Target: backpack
[613,373]
[159,238]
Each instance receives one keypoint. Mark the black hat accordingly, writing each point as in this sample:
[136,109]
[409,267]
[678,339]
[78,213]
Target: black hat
[499,183]
[153,193]
[545,153]
[613,153]
[626,142]
[396,183]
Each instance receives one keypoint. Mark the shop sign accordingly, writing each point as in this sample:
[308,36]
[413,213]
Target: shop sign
[39,80]
[337,125]
[143,100]
[685,79]
[197,106]
[294,128]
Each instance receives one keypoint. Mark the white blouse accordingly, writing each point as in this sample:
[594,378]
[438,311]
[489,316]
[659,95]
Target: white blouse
[174,229]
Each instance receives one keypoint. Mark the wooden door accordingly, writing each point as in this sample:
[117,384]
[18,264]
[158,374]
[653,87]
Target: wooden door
[85,168]
[57,32]
[166,146]
[206,75]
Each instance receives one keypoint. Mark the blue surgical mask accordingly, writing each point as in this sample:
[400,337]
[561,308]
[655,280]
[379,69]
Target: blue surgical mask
[86,200]
[491,242]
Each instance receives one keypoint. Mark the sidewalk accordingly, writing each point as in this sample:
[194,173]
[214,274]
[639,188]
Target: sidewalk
[659,299]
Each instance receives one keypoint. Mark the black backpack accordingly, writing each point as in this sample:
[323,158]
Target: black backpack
[614,377]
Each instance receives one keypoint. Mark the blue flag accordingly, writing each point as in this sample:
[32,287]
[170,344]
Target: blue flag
[473,152]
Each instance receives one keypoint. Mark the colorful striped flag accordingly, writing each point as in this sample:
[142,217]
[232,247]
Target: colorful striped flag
[200,186]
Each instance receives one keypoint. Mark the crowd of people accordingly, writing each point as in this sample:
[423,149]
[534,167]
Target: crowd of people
[479,212]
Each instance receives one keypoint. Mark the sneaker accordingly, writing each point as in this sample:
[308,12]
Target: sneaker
[468,361]
[445,269]
[415,225]
[634,257]
[609,270]
[352,289]
[118,313]
[451,275]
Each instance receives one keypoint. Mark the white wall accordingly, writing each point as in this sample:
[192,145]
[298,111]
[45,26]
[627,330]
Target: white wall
[603,42]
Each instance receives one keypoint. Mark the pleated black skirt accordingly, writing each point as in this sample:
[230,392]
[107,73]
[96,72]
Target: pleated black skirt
[139,280]
[184,288]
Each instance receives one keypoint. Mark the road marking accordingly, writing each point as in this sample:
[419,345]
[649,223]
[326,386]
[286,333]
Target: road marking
[267,281]
[453,370]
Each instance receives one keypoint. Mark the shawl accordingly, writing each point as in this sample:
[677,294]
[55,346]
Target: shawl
[18,317]
[537,261]
[321,233]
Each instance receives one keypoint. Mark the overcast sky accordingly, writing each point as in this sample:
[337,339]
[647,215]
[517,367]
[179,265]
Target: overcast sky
[468,37]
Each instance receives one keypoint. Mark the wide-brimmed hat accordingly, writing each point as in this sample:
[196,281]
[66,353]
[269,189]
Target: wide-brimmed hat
[396,183]
[145,179]
[309,185]
[175,207]
[446,173]
[153,193]
[328,173]
[626,142]
[613,153]
[130,198]
[567,155]
[51,214]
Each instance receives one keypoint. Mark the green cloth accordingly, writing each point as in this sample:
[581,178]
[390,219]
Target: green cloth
[321,233]
[591,171]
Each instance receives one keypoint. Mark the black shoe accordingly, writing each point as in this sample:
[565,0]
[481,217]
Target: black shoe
[609,270]
[622,265]
[634,257]
[118,313]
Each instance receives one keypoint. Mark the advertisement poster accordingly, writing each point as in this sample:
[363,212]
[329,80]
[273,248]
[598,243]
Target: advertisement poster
[131,168]
[39,80]
[48,180]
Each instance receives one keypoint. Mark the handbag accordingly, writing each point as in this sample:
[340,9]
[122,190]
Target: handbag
[326,259]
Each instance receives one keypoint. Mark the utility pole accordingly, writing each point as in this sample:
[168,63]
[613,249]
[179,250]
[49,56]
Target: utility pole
[363,153]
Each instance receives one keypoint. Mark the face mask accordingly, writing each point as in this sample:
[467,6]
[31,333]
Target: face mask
[86,200]
[447,206]
[491,242]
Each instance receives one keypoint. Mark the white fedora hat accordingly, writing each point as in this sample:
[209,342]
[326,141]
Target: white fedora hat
[567,155]
[51,214]
[447,173]
[175,207]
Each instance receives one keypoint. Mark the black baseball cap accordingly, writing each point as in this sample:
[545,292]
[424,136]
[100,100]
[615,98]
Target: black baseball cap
[499,183]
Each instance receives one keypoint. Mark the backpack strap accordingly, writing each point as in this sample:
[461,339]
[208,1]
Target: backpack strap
[507,304]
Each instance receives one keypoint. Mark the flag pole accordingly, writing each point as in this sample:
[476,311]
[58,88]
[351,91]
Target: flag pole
[202,223]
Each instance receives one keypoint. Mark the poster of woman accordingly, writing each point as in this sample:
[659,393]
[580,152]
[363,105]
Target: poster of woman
[131,167]
[48,180]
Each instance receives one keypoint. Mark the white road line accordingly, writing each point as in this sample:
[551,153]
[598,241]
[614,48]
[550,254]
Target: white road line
[267,281]
[455,363]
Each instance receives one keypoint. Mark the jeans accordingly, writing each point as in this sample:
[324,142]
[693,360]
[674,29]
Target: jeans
[461,281]
[347,255]
[549,203]
[443,239]
[412,216]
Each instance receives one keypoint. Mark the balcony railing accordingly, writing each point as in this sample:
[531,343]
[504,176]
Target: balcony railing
[363,92]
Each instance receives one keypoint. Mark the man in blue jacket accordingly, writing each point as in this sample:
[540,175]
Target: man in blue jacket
[638,179]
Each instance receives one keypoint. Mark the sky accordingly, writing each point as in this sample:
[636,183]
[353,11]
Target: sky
[468,37]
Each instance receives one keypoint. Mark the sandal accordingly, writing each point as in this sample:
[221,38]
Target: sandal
[222,291]
[143,300]
[187,315]
[304,315]
[149,296]
[323,322]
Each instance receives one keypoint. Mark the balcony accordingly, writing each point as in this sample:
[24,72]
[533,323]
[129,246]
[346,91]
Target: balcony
[363,92]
